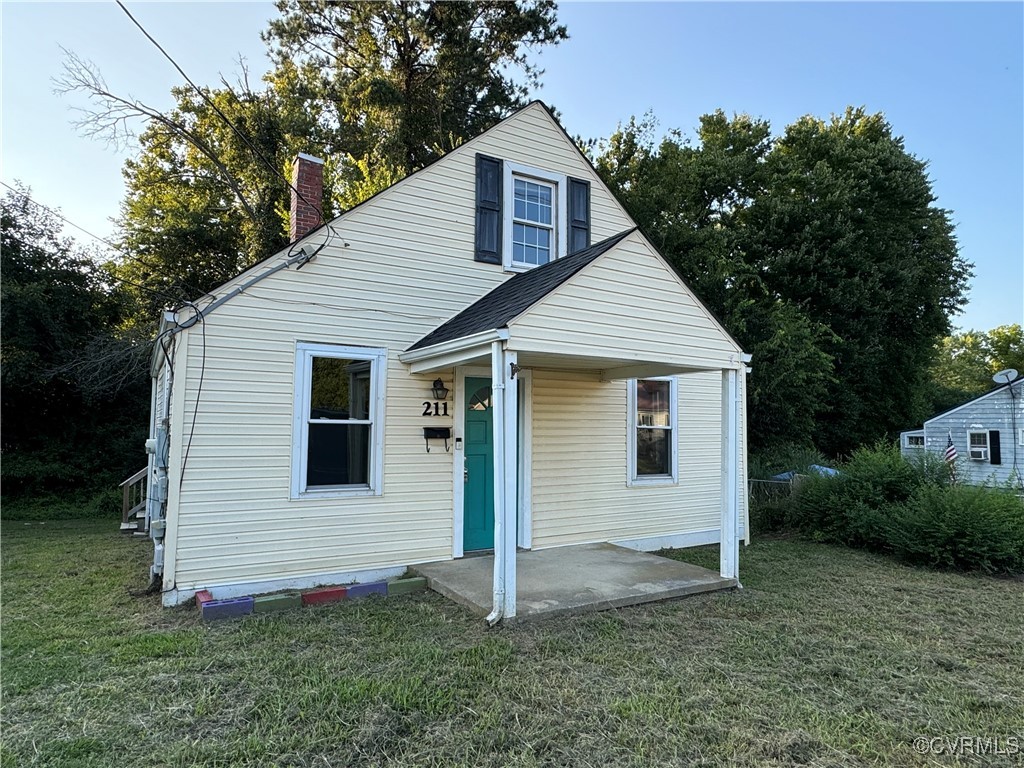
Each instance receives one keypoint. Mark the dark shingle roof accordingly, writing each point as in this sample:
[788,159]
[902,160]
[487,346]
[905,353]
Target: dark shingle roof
[516,295]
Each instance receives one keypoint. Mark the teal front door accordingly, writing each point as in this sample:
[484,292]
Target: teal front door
[478,498]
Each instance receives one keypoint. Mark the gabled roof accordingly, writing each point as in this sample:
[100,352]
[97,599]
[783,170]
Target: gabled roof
[292,248]
[517,294]
[1015,384]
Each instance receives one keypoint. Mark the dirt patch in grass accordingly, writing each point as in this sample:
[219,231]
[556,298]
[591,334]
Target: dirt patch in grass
[826,657]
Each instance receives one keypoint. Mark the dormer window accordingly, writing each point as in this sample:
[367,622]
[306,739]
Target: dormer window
[527,217]
[533,221]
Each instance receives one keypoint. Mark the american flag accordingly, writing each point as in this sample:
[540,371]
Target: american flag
[950,449]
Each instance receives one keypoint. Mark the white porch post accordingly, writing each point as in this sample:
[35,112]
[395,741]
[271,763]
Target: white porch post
[505,412]
[510,508]
[730,542]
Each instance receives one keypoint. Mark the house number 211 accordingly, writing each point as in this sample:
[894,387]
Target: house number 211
[435,409]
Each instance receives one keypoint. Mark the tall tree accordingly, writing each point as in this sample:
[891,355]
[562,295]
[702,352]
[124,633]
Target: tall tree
[205,202]
[821,251]
[848,231]
[377,89]
[411,79]
[70,386]
[693,200]
[965,362]
[207,194]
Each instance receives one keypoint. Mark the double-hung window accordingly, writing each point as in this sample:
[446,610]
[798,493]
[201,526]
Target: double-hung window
[653,438]
[527,217]
[534,217]
[338,430]
[533,221]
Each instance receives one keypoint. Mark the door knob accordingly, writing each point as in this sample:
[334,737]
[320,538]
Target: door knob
[465,475]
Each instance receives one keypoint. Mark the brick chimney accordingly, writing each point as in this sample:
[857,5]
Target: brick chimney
[308,178]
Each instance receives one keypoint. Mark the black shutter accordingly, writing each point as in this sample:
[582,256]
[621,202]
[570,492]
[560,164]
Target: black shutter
[579,215]
[994,454]
[488,209]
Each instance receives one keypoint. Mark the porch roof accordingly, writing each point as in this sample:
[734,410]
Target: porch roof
[616,308]
[515,296]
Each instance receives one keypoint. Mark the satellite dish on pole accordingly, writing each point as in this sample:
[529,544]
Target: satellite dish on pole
[1005,376]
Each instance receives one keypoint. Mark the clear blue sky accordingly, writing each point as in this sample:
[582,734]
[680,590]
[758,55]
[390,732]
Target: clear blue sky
[948,76]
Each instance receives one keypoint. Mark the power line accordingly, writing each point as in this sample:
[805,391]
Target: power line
[255,150]
[59,216]
[154,291]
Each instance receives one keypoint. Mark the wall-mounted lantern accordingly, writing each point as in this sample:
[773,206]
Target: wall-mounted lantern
[439,390]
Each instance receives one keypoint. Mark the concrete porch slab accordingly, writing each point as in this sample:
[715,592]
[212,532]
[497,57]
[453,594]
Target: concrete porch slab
[574,579]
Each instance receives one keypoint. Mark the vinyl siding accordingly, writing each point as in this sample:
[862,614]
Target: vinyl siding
[580,443]
[597,314]
[990,412]
[400,266]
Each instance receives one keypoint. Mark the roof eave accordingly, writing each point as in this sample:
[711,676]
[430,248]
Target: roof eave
[453,352]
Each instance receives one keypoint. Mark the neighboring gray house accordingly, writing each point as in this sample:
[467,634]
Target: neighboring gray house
[987,432]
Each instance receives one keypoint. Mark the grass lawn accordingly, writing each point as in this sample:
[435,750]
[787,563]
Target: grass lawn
[827,657]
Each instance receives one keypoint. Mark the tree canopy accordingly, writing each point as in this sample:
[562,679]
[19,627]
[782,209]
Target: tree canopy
[377,89]
[822,251]
[966,361]
[72,397]
[404,82]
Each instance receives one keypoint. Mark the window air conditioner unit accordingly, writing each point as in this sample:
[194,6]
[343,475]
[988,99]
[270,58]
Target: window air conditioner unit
[979,454]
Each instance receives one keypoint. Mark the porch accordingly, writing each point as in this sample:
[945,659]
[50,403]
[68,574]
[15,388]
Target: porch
[573,579]
[613,314]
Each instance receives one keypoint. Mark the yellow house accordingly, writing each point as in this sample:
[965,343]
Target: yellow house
[486,355]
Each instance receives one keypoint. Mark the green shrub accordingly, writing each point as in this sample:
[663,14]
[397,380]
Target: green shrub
[883,502]
[850,508]
[961,527]
[769,508]
[105,503]
[770,503]
[782,458]
[931,467]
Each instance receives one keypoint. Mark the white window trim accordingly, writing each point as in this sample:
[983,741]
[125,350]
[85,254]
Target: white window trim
[988,448]
[561,211]
[632,479]
[1020,436]
[908,444]
[304,354]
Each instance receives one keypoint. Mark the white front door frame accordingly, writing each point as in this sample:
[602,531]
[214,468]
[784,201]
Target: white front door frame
[525,507]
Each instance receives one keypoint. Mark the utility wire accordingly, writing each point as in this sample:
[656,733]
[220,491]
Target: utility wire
[199,314]
[176,299]
[202,94]
[56,213]
[199,392]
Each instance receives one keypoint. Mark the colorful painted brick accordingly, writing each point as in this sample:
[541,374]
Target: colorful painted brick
[226,609]
[325,595]
[281,602]
[364,590]
[202,597]
[405,586]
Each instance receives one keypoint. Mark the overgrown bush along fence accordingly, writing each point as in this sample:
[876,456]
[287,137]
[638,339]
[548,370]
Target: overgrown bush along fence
[882,502]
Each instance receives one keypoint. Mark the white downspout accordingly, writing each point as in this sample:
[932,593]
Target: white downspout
[498,418]
[505,410]
[510,455]
[729,553]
